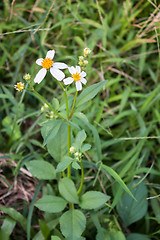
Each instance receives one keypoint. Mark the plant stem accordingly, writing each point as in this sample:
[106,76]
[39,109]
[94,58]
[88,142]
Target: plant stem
[36,93]
[69,134]
[82,179]
[75,98]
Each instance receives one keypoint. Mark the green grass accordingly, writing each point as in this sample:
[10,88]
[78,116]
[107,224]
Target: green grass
[124,39]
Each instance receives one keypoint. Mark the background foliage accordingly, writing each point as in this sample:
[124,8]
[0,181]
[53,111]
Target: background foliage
[124,39]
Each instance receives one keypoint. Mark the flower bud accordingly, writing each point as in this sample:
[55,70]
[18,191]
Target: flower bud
[81,58]
[72,149]
[27,76]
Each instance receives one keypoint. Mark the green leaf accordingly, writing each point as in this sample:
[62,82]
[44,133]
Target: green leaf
[96,140]
[58,147]
[75,165]
[66,161]
[130,210]
[111,234]
[85,147]
[16,216]
[51,204]
[50,129]
[125,97]
[12,129]
[55,238]
[89,93]
[118,179]
[41,169]
[72,224]
[5,96]
[92,23]
[67,190]
[44,229]
[93,199]
[136,236]
[7,228]
[80,138]
[116,235]
[55,103]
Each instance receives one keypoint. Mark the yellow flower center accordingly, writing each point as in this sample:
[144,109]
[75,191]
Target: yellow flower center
[76,76]
[20,86]
[47,63]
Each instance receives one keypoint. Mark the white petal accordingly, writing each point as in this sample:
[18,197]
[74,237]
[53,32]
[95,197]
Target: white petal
[83,74]
[78,69]
[68,80]
[78,85]
[60,65]
[39,61]
[83,80]
[72,70]
[50,54]
[56,73]
[40,75]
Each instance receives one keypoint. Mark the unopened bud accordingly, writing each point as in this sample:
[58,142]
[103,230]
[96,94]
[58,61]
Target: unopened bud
[27,76]
[72,149]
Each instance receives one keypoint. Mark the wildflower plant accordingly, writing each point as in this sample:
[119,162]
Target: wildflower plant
[64,138]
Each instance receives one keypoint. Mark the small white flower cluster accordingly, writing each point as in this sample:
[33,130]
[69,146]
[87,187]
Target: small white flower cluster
[49,114]
[76,154]
[82,59]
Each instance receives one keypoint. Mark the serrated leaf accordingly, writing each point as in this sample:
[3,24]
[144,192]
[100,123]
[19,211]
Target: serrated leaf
[130,210]
[41,169]
[89,93]
[93,199]
[67,190]
[76,223]
[51,204]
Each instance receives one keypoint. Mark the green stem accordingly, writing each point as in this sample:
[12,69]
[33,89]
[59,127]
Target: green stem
[39,96]
[82,179]
[69,134]
[74,102]
[68,129]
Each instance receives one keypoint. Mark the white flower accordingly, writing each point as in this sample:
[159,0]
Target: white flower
[48,63]
[77,76]
[19,86]
[86,51]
